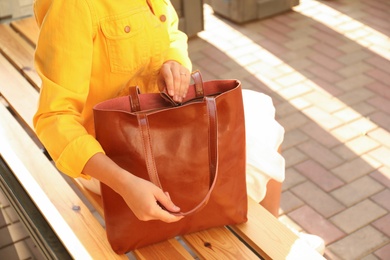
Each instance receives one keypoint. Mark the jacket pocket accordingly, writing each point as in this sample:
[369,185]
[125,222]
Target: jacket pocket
[127,41]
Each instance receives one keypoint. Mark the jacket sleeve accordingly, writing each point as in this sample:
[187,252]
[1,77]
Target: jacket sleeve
[178,50]
[63,60]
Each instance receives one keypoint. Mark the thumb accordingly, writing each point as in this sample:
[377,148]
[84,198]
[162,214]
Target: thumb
[166,203]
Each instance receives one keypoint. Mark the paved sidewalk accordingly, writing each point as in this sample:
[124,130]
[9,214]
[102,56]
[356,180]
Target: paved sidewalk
[326,64]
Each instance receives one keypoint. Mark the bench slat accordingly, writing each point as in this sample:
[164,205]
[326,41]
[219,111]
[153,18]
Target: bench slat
[28,28]
[41,180]
[18,92]
[219,242]
[19,52]
[170,249]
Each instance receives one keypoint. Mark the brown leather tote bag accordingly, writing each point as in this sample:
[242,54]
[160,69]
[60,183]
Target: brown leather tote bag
[194,150]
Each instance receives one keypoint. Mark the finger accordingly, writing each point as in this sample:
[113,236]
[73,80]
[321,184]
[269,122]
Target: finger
[168,217]
[177,82]
[167,79]
[166,203]
[185,81]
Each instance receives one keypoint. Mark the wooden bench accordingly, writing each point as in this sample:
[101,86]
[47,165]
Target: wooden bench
[75,231]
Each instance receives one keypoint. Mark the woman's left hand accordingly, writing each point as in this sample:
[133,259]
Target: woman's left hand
[175,78]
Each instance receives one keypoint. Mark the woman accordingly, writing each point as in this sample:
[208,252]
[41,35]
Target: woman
[86,52]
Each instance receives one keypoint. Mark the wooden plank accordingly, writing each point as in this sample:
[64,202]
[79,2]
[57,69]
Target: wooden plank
[93,198]
[77,229]
[19,53]
[218,243]
[28,28]
[17,92]
[170,249]
[263,232]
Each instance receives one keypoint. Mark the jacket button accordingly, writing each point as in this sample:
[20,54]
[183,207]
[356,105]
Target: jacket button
[163,18]
[127,29]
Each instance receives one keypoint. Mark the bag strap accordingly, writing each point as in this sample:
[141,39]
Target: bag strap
[213,152]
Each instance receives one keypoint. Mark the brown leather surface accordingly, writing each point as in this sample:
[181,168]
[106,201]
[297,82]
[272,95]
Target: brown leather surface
[195,151]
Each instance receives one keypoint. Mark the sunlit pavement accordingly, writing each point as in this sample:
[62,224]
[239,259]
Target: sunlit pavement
[326,64]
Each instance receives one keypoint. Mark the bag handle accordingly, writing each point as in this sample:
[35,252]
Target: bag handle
[198,89]
[213,152]
[134,93]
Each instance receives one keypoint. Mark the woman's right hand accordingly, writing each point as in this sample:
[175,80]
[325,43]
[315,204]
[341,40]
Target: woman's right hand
[140,195]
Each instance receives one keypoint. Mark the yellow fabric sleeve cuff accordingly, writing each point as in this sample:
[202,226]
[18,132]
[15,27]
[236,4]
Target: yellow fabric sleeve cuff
[73,159]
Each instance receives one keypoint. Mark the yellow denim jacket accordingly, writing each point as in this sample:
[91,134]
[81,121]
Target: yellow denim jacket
[86,52]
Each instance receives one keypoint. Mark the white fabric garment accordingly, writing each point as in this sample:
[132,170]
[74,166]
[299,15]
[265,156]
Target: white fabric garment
[264,135]
[263,138]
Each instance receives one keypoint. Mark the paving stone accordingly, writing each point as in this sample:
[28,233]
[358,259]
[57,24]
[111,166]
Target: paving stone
[382,154]
[320,154]
[354,83]
[324,86]
[327,50]
[382,175]
[370,257]
[354,129]
[294,137]
[355,56]
[18,250]
[382,119]
[328,62]
[354,69]
[347,114]
[356,245]
[382,225]
[358,216]
[293,156]
[35,251]
[380,102]
[292,179]
[362,145]
[318,133]
[300,43]
[289,202]
[346,132]
[328,38]
[325,74]
[383,199]
[285,109]
[325,102]
[380,89]
[4,220]
[12,233]
[356,168]
[357,191]
[384,252]
[363,125]
[314,223]
[380,135]
[319,175]
[294,91]
[379,75]
[293,121]
[319,200]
